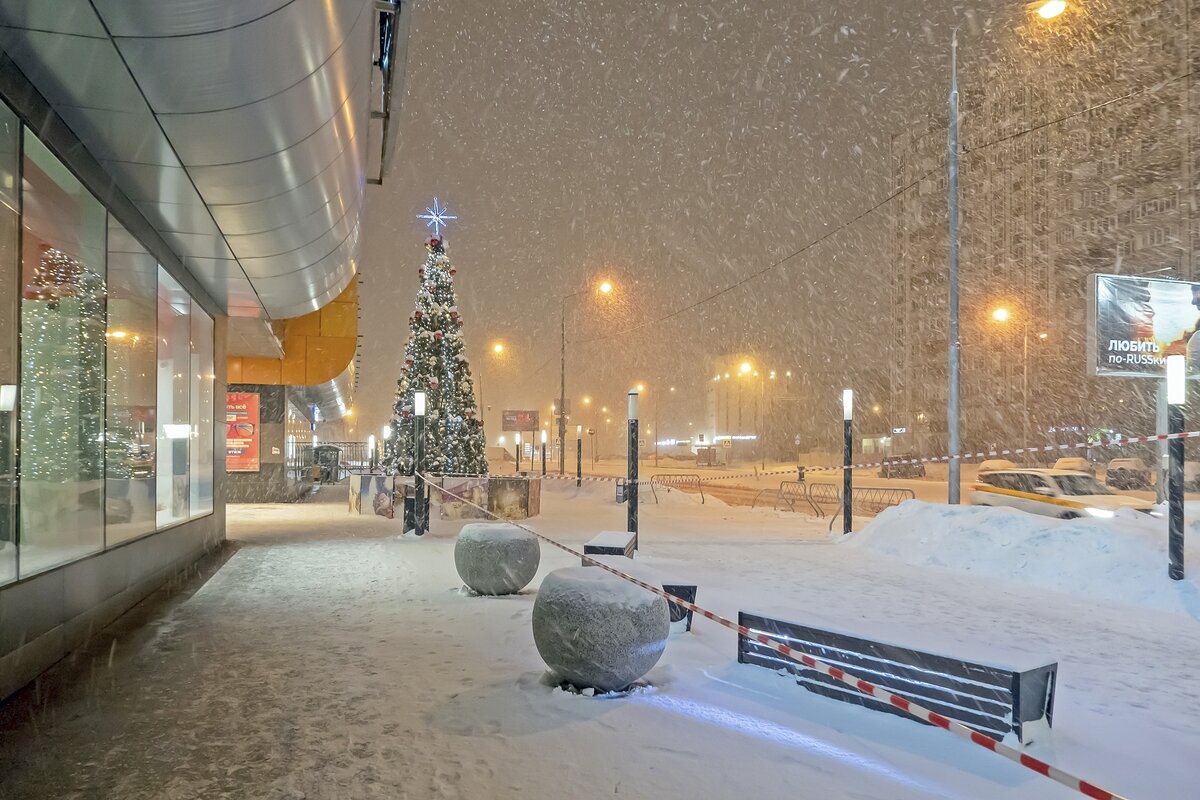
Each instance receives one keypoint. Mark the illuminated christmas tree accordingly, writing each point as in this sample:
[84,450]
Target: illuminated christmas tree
[435,362]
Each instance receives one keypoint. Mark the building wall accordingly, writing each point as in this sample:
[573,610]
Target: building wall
[280,477]
[111,360]
[1049,196]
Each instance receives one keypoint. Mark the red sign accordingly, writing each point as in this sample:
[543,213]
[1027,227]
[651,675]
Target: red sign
[241,432]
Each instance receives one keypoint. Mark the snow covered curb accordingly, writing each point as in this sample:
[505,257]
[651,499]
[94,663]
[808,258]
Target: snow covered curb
[1122,560]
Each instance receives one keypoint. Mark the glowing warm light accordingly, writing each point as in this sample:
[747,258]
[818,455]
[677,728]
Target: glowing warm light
[788,373]
[1052,8]
[772,374]
[498,348]
[1000,314]
[118,334]
[605,287]
[1043,335]
[349,412]
[726,376]
[587,401]
[641,387]
[672,388]
[877,408]
[746,367]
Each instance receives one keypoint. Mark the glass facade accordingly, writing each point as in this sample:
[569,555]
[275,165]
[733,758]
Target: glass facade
[106,373]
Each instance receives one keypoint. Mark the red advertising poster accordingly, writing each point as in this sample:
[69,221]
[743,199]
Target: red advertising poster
[241,432]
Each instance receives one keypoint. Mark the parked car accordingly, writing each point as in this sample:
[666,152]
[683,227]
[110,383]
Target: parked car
[902,466]
[1128,473]
[1076,464]
[1066,494]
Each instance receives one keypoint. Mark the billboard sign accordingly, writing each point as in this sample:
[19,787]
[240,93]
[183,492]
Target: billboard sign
[241,432]
[519,421]
[1135,323]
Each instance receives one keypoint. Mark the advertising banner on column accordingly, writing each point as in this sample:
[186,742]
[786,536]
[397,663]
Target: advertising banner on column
[1135,323]
[241,432]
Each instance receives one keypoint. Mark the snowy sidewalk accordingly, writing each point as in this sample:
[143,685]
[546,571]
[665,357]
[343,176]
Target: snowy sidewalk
[329,658]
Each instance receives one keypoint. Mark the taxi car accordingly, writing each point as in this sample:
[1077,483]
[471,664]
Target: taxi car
[1067,494]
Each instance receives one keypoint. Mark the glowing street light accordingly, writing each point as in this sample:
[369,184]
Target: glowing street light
[1000,314]
[745,368]
[605,287]
[1051,8]
[498,348]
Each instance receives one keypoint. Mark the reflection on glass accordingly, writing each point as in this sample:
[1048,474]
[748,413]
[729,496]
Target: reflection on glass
[203,379]
[9,369]
[130,411]
[62,365]
[174,396]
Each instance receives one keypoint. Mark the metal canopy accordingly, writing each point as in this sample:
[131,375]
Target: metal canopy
[238,129]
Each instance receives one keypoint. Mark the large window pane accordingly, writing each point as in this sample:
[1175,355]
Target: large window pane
[174,399]
[10,279]
[201,469]
[62,365]
[132,396]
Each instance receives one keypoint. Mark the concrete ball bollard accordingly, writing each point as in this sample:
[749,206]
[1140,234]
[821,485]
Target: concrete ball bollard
[496,558]
[595,630]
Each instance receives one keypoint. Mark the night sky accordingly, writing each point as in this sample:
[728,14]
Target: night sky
[675,148]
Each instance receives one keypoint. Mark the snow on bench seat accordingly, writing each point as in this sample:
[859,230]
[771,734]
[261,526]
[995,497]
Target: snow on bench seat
[611,543]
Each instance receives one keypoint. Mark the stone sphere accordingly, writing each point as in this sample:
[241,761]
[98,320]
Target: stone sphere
[595,630]
[496,558]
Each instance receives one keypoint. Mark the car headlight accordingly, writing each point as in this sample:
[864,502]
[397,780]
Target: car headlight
[1100,513]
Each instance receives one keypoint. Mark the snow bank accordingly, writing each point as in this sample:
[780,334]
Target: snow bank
[1123,559]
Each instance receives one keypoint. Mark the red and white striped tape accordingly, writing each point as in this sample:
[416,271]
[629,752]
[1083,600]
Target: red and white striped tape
[1086,788]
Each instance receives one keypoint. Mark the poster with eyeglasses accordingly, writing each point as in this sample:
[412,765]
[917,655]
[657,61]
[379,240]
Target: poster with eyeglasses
[241,432]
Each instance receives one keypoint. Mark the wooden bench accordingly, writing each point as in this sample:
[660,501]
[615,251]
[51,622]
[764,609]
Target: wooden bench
[995,700]
[611,543]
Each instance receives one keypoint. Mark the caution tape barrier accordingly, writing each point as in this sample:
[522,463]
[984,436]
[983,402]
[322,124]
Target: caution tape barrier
[1086,788]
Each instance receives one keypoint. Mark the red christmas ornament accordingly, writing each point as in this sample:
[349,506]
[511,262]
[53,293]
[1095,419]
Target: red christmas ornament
[434,242]
[417,315]
[453,272]
[453,315]
[438,336]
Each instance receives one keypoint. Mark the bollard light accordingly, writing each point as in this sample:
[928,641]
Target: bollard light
[633,397]
[419,403]
[578,431]
[543,437]
[1176,380]
[847,404]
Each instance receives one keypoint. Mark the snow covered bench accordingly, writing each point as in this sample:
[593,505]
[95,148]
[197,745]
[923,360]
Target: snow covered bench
[995,700]
[611,543]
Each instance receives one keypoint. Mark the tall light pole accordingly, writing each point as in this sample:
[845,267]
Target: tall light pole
[604,288]
[955,344]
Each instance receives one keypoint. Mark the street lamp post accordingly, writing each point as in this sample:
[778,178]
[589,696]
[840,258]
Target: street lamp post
[955,344]
[631,479]
[517,440]
[578,456]
[543,453]
[1176,397]
[847,458]
[420,510]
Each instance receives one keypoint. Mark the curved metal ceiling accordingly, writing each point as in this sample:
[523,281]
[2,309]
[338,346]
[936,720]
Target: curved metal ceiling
[238,129]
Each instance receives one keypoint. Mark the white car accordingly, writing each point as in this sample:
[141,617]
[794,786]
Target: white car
[1067,494]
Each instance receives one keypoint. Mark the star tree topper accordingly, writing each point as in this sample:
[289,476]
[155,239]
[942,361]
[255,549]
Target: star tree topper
[437,217]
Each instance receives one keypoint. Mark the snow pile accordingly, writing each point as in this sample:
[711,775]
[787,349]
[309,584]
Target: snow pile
[1122,559]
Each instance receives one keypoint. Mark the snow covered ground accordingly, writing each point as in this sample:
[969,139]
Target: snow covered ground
[331,658]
